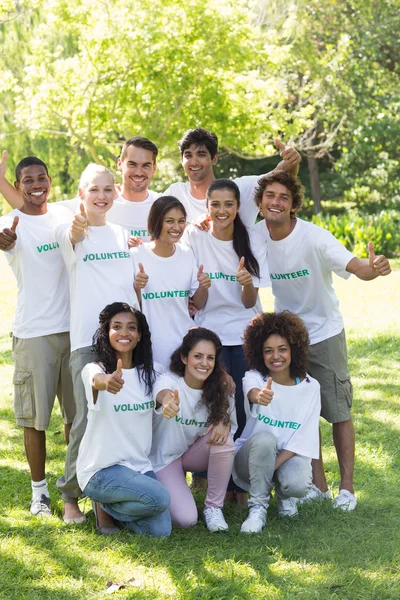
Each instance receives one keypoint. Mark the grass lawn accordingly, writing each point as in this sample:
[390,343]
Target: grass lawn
[322,554]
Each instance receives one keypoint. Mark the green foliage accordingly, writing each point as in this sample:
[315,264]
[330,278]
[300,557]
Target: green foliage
[355,230]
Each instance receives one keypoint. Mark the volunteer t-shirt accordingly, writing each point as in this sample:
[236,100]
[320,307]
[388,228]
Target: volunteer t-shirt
[224,312]
[119,427]
[292,416]
[300,267]
[165,299]
[42,280]
[132,215]
[195,208]
[100,272]
[172,437]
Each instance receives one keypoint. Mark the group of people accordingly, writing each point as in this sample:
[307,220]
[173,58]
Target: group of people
[141,313]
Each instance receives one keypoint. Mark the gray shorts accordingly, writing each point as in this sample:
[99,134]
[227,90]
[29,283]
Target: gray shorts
[41,372]
[328,365]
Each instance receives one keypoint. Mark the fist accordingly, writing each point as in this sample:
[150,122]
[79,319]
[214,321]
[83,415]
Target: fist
[243,276]
[8,236]
[115,383]
[266,394]
[171,406]
[141,278]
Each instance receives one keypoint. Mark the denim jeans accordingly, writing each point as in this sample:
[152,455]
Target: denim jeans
[139,502]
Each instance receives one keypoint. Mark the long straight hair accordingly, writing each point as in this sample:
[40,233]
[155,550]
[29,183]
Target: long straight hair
[241,240]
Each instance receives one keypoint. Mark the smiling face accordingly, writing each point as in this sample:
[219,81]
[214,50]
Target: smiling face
[277,356]
[174,224]
[137,167]
[124,333]
[198,164]
[276,204]
[34,185]
[98,194]
[222,208]
[199,363]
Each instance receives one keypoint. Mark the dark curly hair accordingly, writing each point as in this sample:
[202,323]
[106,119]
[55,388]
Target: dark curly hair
[142,357]
[288,326]
[241,240]
[215,394]
[292,183]
[158,211]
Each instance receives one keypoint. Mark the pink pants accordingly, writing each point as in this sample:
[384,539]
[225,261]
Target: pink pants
[216,460]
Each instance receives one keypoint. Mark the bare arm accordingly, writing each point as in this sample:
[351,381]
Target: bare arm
[282,457]
[371,267]
[11,195]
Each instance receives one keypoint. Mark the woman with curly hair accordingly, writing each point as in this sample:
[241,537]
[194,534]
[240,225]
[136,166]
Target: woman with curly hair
[281,434]
[113,466]
[194,428]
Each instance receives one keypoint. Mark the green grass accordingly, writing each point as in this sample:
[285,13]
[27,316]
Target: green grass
[321,555]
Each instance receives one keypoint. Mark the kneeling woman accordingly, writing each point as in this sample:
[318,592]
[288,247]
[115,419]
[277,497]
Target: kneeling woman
[281,434]
[113,466]
[195,428]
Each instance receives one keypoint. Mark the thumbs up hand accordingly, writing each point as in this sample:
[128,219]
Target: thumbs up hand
[288,154]
[243,276]
[171,405]
[8,236]
[114,382]
[79,225]
[379,264]
[265,395]
[141,278]
[203,278]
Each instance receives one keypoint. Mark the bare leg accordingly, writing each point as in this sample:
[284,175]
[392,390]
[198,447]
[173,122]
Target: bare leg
[35,449]
[344,440]
[67,429]
[318,471]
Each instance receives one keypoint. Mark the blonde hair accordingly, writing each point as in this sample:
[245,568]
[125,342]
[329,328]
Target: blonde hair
[90,172]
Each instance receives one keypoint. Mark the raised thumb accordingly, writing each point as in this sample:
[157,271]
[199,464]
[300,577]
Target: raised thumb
[14,224]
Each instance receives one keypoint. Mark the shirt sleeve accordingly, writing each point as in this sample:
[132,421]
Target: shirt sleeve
[88,373]
[305,440]
[252,379]
[66,247]
[259,247]
[164,382]
[194,283]
[232,415]
[248,209]
[334,255]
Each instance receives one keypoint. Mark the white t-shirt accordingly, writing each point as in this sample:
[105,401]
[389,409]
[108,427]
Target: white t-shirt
[119,427]
[300,268]
[165,299]
[100,272]
[132,215]
[42,300]
[292,417]
[195,208]
[172,437]
[224,312]
[72,205]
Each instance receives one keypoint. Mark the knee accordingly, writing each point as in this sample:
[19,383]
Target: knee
[183,520]
[263,443]
[163,499]
[296,487]
[163,528]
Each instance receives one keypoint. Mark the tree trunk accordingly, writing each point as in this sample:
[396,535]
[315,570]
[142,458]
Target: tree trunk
[312,163]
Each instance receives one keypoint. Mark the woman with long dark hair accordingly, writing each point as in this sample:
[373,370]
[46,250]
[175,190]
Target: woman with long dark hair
[226,253]
[113,466]
[194,430]
[167,276]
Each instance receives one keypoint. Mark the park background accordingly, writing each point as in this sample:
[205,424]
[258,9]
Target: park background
[78,77]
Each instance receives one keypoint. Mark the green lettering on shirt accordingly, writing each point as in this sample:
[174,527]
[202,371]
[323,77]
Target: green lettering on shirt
[166,294]
[293,275]
[47,247]
[106,256]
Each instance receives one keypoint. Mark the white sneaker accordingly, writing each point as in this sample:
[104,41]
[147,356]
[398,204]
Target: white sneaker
[315,493]
[214,518]
[345,500]
[287,507]
[40,507]
[256,520]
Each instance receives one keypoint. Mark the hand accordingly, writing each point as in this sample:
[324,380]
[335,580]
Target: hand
[141,278]
[203,278]
[114,382]
[265,395]
[3,164]
[80,223]
[380,264]
[8,236]
[134,241]
[287,153]
[243,276]
[171,405]
[202,222]
[219,433]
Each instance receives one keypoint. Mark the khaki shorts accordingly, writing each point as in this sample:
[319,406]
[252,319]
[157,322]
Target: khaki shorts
[328,365]
[41,372]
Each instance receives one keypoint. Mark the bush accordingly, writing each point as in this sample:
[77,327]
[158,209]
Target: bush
[355,230]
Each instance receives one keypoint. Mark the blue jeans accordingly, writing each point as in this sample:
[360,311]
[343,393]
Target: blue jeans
[139,502]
